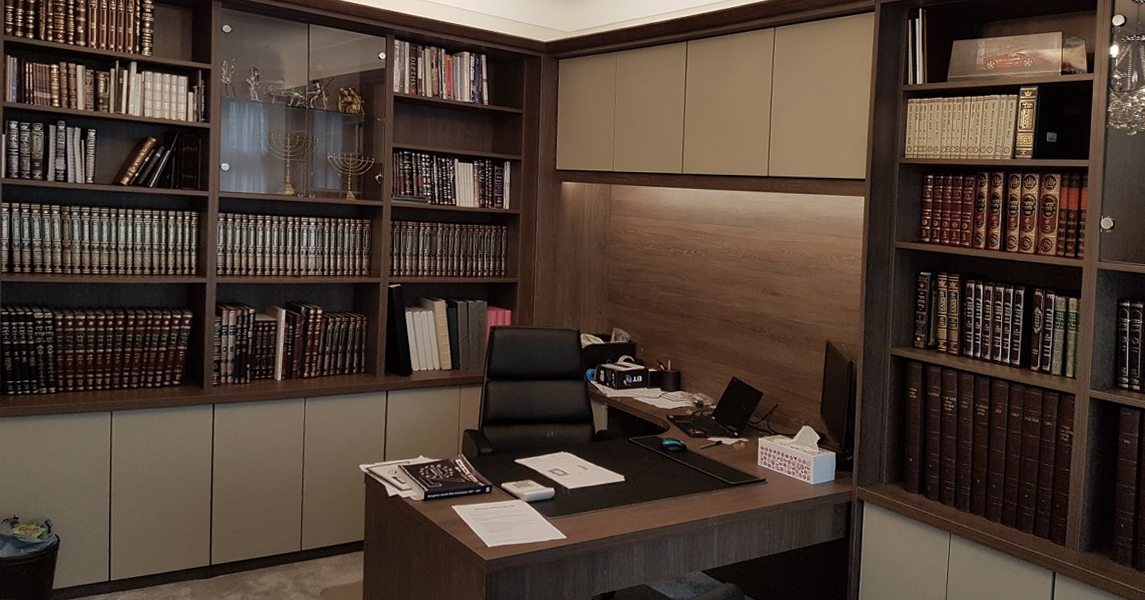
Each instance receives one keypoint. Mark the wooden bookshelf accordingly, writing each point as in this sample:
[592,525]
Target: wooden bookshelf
[190,41]
[1111,269]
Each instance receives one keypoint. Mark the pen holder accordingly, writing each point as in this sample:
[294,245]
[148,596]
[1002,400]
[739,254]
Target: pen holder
[669,381]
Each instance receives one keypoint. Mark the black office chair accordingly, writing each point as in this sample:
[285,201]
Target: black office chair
[535,396]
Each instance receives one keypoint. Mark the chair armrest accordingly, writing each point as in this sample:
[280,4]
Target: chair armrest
[474,443]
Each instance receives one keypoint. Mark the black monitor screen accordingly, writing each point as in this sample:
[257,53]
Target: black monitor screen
[838,404]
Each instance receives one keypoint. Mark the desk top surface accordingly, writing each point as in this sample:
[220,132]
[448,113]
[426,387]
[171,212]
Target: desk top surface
[781,493]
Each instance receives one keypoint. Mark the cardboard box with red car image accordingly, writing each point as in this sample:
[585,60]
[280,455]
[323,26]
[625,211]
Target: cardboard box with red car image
[1053,53]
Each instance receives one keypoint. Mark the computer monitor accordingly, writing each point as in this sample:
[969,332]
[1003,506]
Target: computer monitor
[837,406]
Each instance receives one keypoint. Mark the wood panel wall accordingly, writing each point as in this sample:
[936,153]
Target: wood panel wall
[723,283]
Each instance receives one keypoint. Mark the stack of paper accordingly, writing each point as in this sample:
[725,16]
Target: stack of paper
[509,522]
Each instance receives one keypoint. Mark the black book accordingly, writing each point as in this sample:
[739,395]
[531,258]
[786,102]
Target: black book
[149,166]
[397,340]
[446,479]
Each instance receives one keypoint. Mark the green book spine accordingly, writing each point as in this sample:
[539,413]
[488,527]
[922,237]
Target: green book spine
[1073,327]
[1057,366]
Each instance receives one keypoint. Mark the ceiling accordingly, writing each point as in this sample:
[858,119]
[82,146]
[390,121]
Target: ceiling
[548,20]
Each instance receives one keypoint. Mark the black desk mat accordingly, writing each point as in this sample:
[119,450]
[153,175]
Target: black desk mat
[648,476]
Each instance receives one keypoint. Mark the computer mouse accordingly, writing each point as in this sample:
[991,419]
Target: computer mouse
[673,445]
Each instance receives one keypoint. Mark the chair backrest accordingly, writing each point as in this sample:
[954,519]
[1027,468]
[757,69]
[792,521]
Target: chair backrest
[535,396]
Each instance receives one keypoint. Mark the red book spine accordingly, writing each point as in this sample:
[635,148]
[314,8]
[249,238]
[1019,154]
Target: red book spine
[967,239]
[926,212]
[1049,213]
[1082,209]
[964,462]
[1013,455]
[1013,211]
[1125,491]
[995,207]
[981,209]
[949,448]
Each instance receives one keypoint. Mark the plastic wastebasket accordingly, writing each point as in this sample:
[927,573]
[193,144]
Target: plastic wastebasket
[29,577]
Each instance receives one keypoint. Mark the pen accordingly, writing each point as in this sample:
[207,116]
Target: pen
[669,364]
[710,445]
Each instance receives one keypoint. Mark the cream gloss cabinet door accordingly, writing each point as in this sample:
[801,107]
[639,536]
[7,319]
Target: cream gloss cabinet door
[59,467]
[902,559]
[586,111]
[649,133]
[423,422]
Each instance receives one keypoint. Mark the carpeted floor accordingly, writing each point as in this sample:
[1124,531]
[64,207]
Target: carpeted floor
[340,578]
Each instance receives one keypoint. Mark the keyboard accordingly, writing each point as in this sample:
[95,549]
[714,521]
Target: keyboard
[702,426]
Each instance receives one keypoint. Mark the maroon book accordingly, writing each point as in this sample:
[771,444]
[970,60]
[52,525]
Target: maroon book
[964,461]
[1063,459]
[912,470]
[981,203]
[980,453]
[996,460]
[1125,490]
[967,239]
[933,432]
[948,467]
[1047,462]
[1031,450]
[1013,455]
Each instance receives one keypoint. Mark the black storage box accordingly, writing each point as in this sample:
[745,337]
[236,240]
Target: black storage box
[599,354]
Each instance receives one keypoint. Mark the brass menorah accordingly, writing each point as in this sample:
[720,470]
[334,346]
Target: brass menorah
[350,166]
[289,147]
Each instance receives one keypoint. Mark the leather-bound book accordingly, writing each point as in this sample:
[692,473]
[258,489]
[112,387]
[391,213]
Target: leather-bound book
[1028,225]
[1013,211]
[981,209]
[954,314]
[1014,421]
[1037,323]
[1082,209]
[1018,327]
[1049,213]
[1067,246]
[1063,456]
[1049,312]
[1136,324]
[1125,489]
[1000,337]
[987,322]
[980,452]
[941,233]
[1031,450]
[969,300]
[1061,313]
[964,461]
[912,469]
[967,238]
[1139,538]
[933,432]
[926,212]
[1007,337]
[135,160]
[1047,462]
[995,207]
[941,312]
[979,328]
[1122,371]
[948,452]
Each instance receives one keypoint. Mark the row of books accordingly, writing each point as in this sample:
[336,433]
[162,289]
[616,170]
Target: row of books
[438,334]
[117,25]
[1028,213]
[475,183]
[299,341]
[1129,491]
[967,127]
[989,447]
[45,350]
[89,240]
[1130,352]
[118,90]
[174,164]
[997,323]
[435,73]
[448,249]
[47,152]
[269,245]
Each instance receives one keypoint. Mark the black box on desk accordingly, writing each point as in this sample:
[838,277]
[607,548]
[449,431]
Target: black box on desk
[622,376]
[608,352]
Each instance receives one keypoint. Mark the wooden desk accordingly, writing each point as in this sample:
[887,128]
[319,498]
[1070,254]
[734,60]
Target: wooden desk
[423,551]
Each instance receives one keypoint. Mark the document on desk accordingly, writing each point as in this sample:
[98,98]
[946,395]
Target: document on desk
[391,476]
[570,470]
[507,523]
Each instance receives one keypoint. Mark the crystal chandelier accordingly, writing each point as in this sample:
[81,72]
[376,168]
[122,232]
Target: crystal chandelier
[1127,76]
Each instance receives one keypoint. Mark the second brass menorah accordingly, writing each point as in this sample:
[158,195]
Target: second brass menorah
[289,147]
[350,166]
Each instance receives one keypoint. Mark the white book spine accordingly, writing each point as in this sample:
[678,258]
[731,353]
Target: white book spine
[975,129]
[1011,126]
[908,143]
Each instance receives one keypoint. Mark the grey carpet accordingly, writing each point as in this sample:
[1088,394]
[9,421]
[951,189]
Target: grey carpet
[340,578]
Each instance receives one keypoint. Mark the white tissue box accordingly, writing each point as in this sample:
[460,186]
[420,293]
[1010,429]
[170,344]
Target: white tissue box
[803,462]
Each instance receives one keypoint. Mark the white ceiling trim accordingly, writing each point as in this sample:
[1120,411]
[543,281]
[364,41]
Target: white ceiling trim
[548,20]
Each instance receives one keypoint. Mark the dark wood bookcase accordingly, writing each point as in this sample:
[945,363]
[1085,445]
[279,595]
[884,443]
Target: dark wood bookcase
[1112,269]
[188,39]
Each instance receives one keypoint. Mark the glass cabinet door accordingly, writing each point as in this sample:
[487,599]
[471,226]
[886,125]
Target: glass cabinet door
[301,109]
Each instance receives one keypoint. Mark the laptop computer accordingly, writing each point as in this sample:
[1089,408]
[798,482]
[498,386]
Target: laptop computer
[729,419]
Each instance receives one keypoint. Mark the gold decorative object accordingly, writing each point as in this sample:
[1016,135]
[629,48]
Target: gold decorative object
[349,101]
[289,147]
[351,166]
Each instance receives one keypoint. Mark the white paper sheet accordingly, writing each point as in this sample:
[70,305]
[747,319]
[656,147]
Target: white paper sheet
[392,477]
[506,523]
[570,470]
[653,396]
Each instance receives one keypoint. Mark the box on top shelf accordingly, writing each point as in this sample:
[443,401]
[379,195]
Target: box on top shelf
[1034,54]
